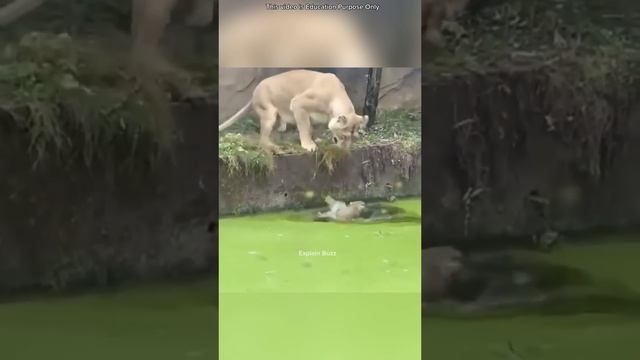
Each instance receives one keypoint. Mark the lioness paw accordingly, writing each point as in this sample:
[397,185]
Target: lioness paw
[311,147]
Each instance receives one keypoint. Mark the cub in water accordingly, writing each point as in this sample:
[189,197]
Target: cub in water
[340,211]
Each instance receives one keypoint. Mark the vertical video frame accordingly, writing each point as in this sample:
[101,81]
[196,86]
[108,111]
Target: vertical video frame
[319,181]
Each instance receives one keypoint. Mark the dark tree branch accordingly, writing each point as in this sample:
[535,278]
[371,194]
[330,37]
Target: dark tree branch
[373,91]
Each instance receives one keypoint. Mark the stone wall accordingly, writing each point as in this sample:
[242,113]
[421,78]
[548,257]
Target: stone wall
[520,156]
[372,173]
[71,227]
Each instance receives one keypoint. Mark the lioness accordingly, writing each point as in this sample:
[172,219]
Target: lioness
[298,97]
[434,12]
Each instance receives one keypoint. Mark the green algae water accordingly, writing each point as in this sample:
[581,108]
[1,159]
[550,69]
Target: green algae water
[179,321]
[599,321]
[160,322]
[298,289]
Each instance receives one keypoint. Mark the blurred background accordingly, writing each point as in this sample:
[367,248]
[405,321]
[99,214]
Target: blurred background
[252,36]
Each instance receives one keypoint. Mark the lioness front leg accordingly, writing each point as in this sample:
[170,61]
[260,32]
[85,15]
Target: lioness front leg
[299,106]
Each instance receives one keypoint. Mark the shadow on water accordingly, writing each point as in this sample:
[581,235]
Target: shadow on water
[592,275]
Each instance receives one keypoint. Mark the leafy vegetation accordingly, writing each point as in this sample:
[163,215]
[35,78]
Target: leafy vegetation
[242,155]
[76,95]
[75,103]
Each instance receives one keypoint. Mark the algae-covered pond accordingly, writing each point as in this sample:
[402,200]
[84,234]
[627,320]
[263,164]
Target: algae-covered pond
[597,322]
[357,300]
[289,252]
[179,321]
[159,322]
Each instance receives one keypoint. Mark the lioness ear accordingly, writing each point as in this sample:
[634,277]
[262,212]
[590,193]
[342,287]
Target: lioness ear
[342,120]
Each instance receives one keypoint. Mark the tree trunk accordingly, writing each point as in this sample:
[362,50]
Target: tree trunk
[373,91]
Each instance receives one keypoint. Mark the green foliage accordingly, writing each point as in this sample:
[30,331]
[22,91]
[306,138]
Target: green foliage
[241,155]
[395,127]
[77,101]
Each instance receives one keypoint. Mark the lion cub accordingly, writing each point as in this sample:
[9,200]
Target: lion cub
[339,211]
[434,12]
[301,97]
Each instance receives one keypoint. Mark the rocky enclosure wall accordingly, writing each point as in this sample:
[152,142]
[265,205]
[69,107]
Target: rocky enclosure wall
[71,227]
[515,153]
[372,173]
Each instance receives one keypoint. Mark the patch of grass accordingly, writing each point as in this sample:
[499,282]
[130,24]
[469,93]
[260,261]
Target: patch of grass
[395,127]
[77,103]
[242,155]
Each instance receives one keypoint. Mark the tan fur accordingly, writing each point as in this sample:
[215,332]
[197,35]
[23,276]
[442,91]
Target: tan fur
[434,12]
[300,97]
[340,211]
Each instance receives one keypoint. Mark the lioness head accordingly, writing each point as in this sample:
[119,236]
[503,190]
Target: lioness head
[345,127]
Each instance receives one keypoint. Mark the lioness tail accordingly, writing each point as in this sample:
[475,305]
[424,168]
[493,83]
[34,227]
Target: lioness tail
[235,117]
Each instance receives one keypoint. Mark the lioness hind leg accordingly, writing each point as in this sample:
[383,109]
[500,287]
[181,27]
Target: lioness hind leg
[149,20]
[268,118]
[301,105]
